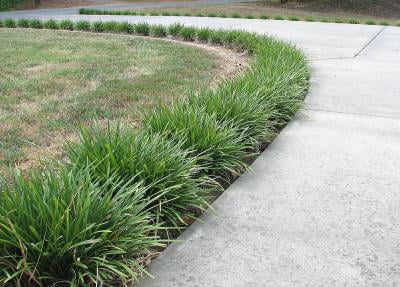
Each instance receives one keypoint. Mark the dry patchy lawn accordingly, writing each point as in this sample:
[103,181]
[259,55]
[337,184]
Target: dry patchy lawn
[53,82]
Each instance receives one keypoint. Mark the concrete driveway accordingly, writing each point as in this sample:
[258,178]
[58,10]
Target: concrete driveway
[322,204]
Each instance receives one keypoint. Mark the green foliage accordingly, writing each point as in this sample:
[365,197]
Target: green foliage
[125,28]
[217,37]
[111,26]
[95,216]
[236,15]
[10,23]
[175,29]
[142,29]
[310,19]
[354,21]
[222,15]
[67,25]
[98,26]
[384,23]
[83,25]
[324,20]
[199,15]
[338,20]
[219,148]
[154,14]
[279,18]
[6,5]
[173,187]
[158,31]
[51,24]
[187,14]
[249,16]
[211,15]
[265,17]
[166,14]
[188,33]
[370,22]
[1,23]
[293,18]
[59,228]
[36,24]
[203,34]
[23,23]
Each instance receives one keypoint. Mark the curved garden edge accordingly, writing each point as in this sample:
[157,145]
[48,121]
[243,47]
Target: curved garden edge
[113,203]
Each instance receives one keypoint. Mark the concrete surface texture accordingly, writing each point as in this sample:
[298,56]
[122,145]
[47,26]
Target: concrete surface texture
[322,204]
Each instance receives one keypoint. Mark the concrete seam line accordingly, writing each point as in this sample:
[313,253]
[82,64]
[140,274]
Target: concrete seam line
[369,42]
[354,114]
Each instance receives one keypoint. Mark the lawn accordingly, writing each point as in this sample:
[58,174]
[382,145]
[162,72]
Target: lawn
[51,82]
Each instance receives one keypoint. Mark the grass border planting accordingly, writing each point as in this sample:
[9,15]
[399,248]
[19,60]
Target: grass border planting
[88,11]
[122,193]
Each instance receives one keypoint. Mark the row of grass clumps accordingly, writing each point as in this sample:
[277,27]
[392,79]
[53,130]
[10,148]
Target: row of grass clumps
[86,11]
[122,193]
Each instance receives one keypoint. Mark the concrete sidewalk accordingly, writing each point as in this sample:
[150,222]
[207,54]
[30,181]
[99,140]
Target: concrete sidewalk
[322,204]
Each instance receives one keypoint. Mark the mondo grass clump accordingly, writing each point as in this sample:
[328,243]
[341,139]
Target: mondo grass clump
[142,29]
[10,23]
[51,24]
[23,23]
[83,25]
[101,211]
[36,24]
[218,147]
[174,188]
[58,228]
[158,31]
[67,25]
[187,33]
[203,34]
[98,27]
[293,18]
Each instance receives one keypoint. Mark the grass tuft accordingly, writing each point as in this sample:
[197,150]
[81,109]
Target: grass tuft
[175,29]
[83,25]
[187,33]
[10,23]
[142,29]
[310,19]
[23,23]
[279,18]
[98,26]
[293,18]
[203,34]
[218,147]
[51,24]
[353,21]
[67,25]
[158,31]
[36,24]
